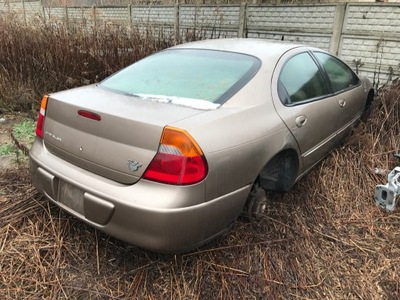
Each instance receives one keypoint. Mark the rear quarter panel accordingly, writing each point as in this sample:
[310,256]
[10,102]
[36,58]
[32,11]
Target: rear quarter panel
[238,141]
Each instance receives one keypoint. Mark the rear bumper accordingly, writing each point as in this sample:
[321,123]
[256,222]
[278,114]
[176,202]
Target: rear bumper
[159,217]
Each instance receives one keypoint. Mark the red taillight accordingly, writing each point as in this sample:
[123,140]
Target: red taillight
[179,159]
[42,114]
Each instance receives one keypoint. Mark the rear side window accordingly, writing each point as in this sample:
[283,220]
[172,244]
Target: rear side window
[208,75]
[340,75]
[301,80]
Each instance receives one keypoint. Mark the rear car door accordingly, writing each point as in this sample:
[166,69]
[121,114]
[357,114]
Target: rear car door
[346,88]
[304,101]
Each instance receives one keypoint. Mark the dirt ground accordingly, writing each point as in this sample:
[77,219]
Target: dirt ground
[6,123]
[11,161]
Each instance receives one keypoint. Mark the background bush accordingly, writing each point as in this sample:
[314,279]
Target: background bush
[50,57]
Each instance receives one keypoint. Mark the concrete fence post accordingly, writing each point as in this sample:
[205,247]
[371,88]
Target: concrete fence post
[66,16]
[43,10]
[24,11]
[338,25]
[242,20]
[176,24]
[130,25]
[94,16]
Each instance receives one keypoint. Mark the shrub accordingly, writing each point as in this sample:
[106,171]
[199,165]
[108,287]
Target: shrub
[40,59]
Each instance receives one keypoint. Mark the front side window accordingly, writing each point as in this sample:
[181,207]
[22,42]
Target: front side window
[301,80]
[340,75]
[208,75]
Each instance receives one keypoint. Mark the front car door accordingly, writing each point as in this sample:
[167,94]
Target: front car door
[304,102]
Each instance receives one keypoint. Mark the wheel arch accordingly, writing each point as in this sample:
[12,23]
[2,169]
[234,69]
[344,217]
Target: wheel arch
[281,171]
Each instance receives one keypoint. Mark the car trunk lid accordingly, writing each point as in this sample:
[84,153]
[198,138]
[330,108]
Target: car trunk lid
[115,136]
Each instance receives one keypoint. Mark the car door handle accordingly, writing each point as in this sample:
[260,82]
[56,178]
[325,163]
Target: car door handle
[342,103]
[300,121]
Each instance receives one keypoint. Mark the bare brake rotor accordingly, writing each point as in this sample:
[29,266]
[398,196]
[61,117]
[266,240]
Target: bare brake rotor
[256,203]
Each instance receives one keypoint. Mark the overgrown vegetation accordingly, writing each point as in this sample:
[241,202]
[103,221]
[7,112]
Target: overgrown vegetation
[21,137]
[325,239]
[50,57]
[25,131]
[7,149]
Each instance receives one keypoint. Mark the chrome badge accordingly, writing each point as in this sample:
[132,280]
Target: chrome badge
[57,138]
[134,165]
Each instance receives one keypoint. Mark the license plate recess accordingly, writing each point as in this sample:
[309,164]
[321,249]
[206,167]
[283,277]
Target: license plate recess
[71,196]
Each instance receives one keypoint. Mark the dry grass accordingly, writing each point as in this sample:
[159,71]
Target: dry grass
[52,57]
[325,239]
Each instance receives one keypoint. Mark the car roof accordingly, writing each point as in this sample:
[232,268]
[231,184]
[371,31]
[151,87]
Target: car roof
[263,49]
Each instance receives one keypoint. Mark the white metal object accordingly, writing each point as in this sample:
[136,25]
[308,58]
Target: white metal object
[385,195]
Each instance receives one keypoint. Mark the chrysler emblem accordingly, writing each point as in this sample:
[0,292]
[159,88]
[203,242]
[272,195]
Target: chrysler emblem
[134,165]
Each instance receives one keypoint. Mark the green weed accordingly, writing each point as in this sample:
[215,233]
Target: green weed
[25,131]
[7,149]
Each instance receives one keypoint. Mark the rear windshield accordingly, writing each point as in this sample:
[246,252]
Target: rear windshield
[208,75]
